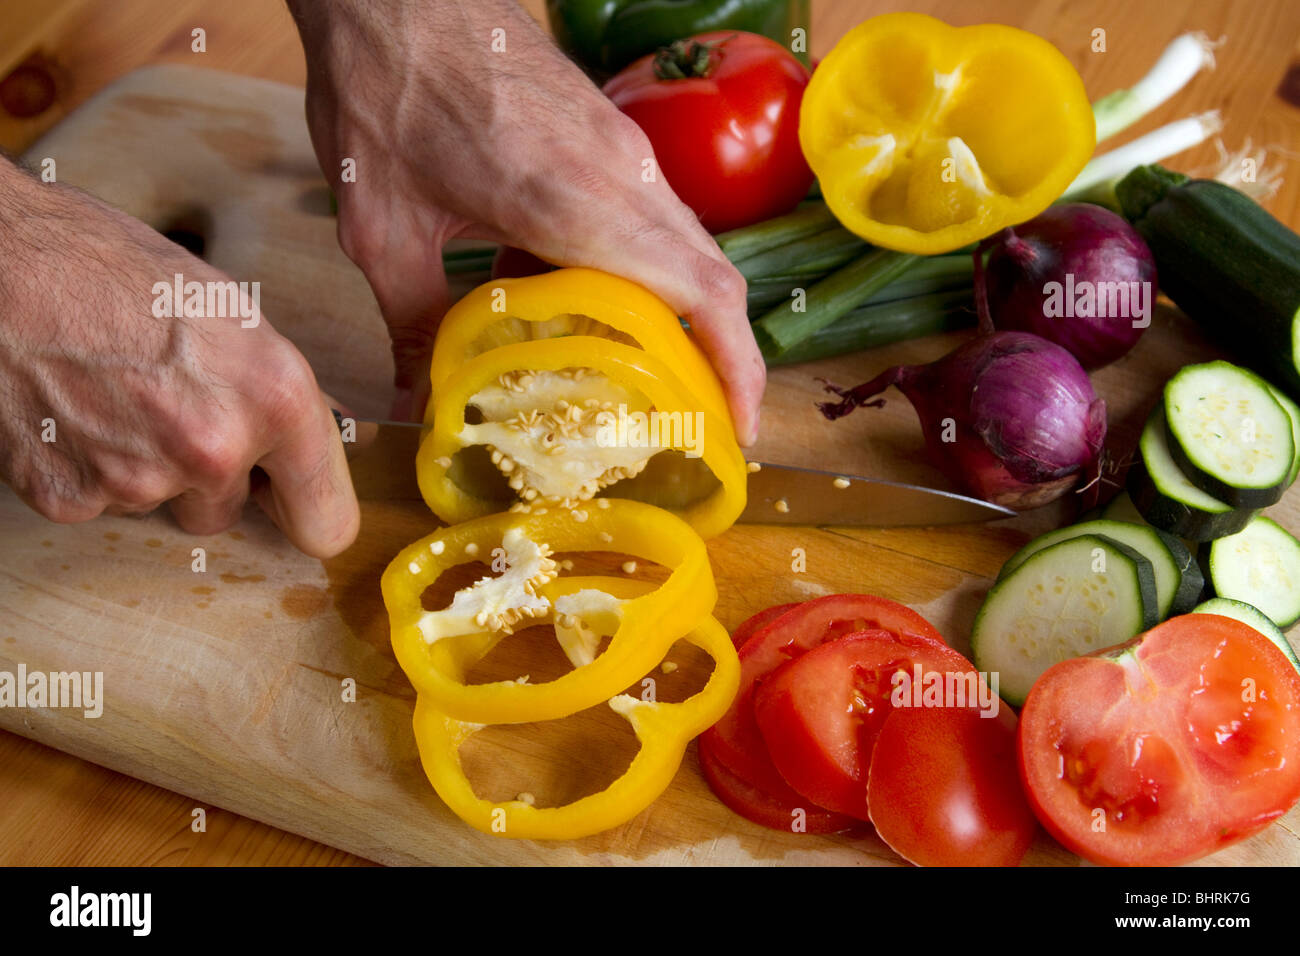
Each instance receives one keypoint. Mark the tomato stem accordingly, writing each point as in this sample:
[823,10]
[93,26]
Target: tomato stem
[685,59]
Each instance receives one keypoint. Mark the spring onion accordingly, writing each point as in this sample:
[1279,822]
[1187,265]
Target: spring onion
[1181,60]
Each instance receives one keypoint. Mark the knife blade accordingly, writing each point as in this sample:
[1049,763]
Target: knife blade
[382,462]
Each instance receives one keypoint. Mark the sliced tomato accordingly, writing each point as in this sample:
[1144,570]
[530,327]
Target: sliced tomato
[1167,748]
[943,789]
[746,629]
[820,713]
[735,739]
[782,810]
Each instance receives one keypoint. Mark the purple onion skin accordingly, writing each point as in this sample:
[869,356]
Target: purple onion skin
[1087,242]
[1026,423]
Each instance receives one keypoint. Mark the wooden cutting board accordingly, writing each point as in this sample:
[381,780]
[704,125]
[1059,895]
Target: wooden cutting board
[227,685]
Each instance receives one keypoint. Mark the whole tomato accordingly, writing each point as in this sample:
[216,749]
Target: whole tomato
[722,112]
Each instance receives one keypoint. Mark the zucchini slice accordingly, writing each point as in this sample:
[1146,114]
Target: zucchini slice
[1167,565]
[1121,508]
[1191,580]
[1228,434]
[1260,566]
[1166,498]
[1070,599]
[1249,614]
[1292,409]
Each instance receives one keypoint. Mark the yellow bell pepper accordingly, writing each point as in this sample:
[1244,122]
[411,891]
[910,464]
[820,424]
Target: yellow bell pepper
[539,387]
[567,302]
[663,730]
[927,137]
[435,648]
[561,418]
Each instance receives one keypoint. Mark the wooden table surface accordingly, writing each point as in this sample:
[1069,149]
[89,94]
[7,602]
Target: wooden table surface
[61,810]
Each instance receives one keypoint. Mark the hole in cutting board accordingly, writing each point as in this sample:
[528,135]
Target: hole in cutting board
[189,228]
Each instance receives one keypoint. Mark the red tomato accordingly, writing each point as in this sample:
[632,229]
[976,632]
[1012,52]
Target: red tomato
[745,630]
[778,810]
[943,788]
[1167,748]
[735,738]
[819,714]
[727,141]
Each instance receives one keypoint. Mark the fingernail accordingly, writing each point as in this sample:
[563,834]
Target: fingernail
[751,433]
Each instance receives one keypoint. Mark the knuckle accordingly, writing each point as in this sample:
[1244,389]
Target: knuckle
[626,134]
[61,501]
[289,391]
[719,283]
[209,453]
[135,488]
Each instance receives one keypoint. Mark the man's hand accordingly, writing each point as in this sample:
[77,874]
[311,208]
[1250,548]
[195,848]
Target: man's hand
[453,136]
[106,407]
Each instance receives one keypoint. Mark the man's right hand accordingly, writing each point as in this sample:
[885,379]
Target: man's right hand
[145,410]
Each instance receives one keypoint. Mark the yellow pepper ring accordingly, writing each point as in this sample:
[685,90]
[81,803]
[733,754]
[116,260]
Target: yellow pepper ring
[926,137]
[649,624]
[627,365]
[617,302]
[663,730]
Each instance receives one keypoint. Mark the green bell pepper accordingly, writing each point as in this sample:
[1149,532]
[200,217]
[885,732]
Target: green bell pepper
[604,36]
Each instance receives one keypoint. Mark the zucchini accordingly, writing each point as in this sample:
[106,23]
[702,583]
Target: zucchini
[1070,599]
[1228,434]
[1121,508]
[1165,497]
[1249,614]
[1259,565]
[1166,565]
[1226,262]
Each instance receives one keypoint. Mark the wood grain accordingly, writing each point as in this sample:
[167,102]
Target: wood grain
[225,687]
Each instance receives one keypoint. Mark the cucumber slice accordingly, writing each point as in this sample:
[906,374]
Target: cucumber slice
[1142,538]
[1228,434]
[1055,606]
[1166,498]
[1249,614]
[1260,566]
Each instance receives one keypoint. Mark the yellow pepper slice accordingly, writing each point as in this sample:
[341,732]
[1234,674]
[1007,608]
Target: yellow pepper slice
[705,485]
[566,302]
[436,648]
[927,137]
[663,730]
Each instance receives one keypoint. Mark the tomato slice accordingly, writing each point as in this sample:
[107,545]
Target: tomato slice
[777,810]
[1167,748]
[820,713]
[943,789]
[735,739]
[746,629]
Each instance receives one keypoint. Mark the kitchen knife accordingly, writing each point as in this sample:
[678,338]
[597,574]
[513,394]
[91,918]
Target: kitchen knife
[382,461]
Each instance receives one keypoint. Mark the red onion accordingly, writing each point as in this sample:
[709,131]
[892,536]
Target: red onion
[1009,416]
[1078,275]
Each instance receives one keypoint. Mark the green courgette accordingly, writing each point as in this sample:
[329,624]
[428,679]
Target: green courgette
[1224,261]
